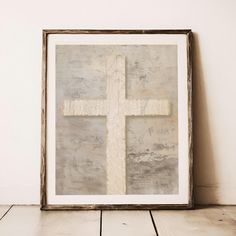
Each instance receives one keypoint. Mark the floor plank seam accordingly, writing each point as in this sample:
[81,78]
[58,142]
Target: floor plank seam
[101,223]
[153,223]
[6,212]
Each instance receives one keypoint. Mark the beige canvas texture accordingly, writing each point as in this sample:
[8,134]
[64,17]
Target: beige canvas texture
[116,119]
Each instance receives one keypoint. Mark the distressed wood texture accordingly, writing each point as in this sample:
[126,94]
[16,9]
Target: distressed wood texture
[189,36]
[199,222]
[207,220]
[128,223]
[162,107]
[69,207]
[43,172]
[29,220]
[111,31]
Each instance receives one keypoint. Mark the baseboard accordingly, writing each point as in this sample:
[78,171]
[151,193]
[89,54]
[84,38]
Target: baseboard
[19,195]
[219,195]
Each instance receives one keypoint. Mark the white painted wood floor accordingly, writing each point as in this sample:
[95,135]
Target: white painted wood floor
[30,221]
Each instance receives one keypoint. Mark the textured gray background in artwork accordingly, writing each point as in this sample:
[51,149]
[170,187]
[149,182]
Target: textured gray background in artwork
[152,142]
[80,141]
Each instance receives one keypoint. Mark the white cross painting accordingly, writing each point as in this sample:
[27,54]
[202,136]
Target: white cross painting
[117,119]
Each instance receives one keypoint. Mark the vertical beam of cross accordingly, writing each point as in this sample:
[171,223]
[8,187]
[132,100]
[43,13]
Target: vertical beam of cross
[116,148]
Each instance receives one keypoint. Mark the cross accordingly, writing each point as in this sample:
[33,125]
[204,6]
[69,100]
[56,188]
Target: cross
[116,107]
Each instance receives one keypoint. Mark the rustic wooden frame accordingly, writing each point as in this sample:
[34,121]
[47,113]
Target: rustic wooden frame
[43,195]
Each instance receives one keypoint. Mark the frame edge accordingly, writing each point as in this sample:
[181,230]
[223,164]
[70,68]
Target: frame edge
[117,31]
[43,173]
[189,36]
[117,207]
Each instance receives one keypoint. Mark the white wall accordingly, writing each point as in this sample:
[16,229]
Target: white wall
[214,24]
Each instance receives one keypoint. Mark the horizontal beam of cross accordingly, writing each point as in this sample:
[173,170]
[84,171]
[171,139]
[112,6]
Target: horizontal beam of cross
[132,107]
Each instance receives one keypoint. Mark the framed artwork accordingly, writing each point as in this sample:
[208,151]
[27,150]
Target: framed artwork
[116,119]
